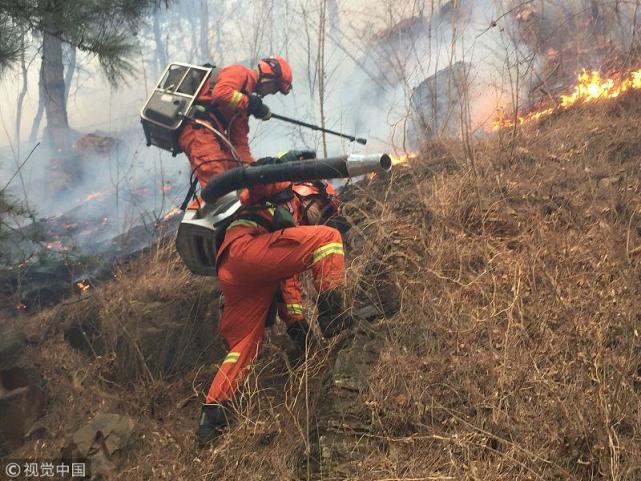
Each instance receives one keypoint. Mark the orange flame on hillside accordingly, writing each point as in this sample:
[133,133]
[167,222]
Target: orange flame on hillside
[590,87]
[401,159]
[93,195]
[174,211]
[83,286]
[56,245]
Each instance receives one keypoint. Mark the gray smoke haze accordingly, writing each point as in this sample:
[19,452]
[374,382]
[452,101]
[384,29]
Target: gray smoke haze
[377,55]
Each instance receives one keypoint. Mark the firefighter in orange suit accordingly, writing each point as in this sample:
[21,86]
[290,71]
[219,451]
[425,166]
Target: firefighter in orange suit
[232,94]
[259,251]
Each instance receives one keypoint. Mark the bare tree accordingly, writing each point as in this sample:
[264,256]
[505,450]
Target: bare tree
[160,50]
[54,87]
[35,126]
[205,52]
[70,69]
[320,62]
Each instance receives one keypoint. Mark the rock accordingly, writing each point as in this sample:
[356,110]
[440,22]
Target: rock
[342,418]
[609,181]
[164,339]
[103,444]
[22,402]
[94,144]
[84,335]
[432,103]
[12,345]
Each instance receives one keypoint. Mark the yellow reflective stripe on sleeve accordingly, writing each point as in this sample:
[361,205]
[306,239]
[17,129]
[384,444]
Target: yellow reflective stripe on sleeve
[294,308]
[232,358]
[235,98]
[333,248]
[243,223]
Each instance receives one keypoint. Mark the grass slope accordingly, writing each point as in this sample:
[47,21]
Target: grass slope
[515,353]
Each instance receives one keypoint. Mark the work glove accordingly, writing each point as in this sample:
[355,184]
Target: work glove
[257,108]
[265,161]
[294,155]
[339,223]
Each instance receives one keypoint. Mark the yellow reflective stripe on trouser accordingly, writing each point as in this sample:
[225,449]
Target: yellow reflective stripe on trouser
[333,248]
[294,308]
[232,358]
[243,223]
[235,98]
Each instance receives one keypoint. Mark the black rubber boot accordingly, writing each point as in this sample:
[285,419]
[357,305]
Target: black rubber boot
[211,423]
[332,315]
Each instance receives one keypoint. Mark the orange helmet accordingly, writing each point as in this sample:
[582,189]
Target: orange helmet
[277,68]
[321,190]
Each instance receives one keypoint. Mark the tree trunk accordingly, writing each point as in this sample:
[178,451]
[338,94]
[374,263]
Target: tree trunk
[35,127]
[205,53]
[54,87]
[69,71]
[334,19]
[21,96]
[320,59]
[161,58]
[64,170]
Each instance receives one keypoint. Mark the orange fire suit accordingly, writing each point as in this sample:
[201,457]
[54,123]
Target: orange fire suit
[228,100]
[252,262]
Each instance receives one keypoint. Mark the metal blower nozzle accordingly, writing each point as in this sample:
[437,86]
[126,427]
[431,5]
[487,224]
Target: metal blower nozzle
[359,164]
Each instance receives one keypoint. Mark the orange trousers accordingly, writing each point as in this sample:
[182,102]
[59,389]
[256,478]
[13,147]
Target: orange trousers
[290,306]
[249,272]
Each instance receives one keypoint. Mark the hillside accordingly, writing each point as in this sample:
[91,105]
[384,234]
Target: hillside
[509,273]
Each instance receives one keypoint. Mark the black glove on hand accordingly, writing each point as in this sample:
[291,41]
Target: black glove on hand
[257,108]
[293,155]
[265,161]
[339,223]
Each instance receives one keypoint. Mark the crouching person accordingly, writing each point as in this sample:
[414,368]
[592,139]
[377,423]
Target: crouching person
[262,248]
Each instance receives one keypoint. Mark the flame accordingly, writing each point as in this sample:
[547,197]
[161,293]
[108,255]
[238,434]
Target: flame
[83,286]
[401,159]
[171,213]
[590,87]
[56,246]
[93,195]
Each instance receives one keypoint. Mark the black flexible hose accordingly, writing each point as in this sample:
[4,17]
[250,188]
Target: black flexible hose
[241,177]
[332,168]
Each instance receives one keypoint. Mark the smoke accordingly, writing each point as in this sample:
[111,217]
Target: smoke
[392,73]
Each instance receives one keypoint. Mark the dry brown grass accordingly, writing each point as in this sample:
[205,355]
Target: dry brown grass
[515,354]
